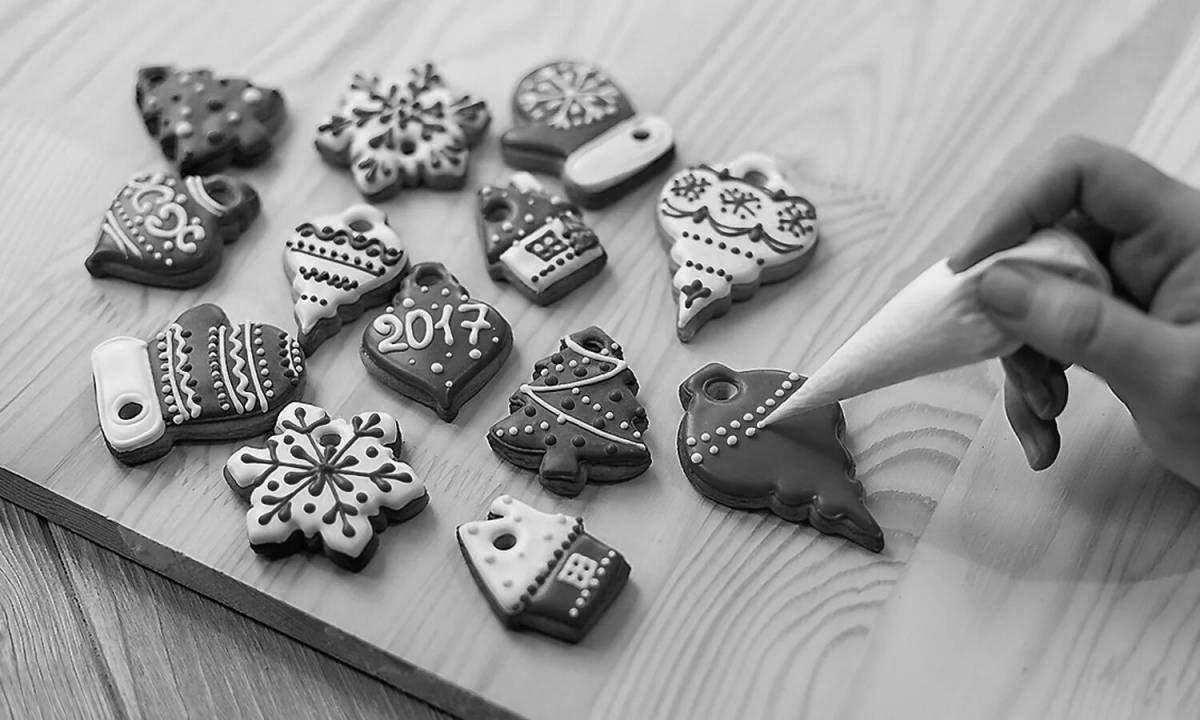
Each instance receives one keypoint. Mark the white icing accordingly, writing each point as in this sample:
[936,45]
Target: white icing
[567,95]
[616,154]
[578,570]
[122,373]
[525,264]
[419,327]
[195,187]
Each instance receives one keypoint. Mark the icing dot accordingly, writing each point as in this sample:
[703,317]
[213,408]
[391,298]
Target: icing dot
[609,415]
[793,376]
[445,292]
[513,430]
[528,429]
[705,437]
[544,425]
[436,368]
[751,432]
[731,440]
[722,431]
[691,442]
[598,407]
[770,402]
[578,441]
[697,458]
[251,95]
[786,385]
[475,354]
[585,400]
[183,128]
[748,417]
[735,424]
[713,450]
[449,383]
[779,393]
[408,302]
[760,409]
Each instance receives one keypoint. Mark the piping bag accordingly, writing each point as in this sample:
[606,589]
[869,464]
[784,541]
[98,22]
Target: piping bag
[935,323]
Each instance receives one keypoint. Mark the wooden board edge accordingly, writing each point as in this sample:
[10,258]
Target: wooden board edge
[247,601]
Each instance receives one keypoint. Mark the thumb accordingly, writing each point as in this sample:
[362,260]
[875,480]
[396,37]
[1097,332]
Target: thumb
[1075,323]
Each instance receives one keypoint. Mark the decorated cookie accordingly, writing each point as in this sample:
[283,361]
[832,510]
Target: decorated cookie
[731,228]
[205,123]
[169,231]
[797,468]
[201,378]
[542,571]
[578,419]
[341,265]
[536,241]
[321,482]
[573,121]
[393,136]
[435,343]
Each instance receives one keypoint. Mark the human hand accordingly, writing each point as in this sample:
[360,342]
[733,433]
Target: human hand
[1144,341]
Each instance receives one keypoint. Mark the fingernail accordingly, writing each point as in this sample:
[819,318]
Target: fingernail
[1034,453]
[1005,291]
[1040,401]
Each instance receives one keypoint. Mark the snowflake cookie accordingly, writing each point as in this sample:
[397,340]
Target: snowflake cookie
[393,136]
[729,229]
[542,571]
[572,120]
[797,467]
[204,123]
[323,482]
[169,231]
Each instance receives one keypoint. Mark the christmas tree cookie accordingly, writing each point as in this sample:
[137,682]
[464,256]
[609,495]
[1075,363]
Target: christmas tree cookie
[542,571]
[170,231]
[578,419]
[797,468]
[393,135]
[729,229]
[325,483]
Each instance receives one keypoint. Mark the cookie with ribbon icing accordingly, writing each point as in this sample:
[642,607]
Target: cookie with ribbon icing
[578,419]
[536,241]
[200,378]
[397,135]
[340,265]
[324,483]
[797,468]
[435,343]
[542,571]
[205,123]
[729,229]
[573,121]
[169,231]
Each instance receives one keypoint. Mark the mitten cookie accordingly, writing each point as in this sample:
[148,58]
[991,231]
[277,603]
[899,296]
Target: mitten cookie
[322,483]
[393,136]
[579,419]
[435,343]
[729,229]
[541,571]
[536,241]
[169,231]
[341,265]
[201,378]
[798,467]
[573,121]
[204,123]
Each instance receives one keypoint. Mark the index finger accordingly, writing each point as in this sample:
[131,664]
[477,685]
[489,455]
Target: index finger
[1115,190]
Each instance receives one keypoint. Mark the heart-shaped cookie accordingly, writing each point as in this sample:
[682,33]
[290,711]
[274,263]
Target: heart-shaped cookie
[341,265]
[435,343]
[201,378]
[572,120]
[169,231]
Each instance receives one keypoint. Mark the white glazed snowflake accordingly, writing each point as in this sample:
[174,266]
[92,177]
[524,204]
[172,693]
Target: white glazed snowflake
[566,95]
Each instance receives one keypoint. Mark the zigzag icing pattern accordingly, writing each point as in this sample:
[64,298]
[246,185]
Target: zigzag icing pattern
[190,408]
[242,386]
[253,370]
[225,377]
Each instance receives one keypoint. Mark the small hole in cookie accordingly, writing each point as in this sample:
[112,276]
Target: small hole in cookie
[504,542]
[130,410]
[720,389]
[754,177]
[497,211]
[593,345]
[360,225]
[428,275]
[641,134]
[221,191]
[408,147]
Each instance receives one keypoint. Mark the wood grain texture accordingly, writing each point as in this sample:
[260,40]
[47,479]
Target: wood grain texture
[897,119]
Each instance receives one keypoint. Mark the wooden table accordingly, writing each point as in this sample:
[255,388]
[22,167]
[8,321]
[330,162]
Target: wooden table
[1067,593]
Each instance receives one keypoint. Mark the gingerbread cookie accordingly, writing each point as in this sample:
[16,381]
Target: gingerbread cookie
[542,571]
[797,467]
[731,228]
[579,419]
[393,136]
[205,123]
[536,241]
[169,231]
[435,343]
[201,378]
[323,483]
[573,121]
[341,265]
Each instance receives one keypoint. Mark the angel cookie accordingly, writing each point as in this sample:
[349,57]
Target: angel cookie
[729,229]
[536,241]
[325,483]
[797,467]
[170,231]
[579,418]
[201,378]
[204,123]
[435,343]
[394,135]
[542,571]
[341,265]
[573,121]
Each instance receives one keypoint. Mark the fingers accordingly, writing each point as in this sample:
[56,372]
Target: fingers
[1041,381]
[1114,190]
[1073,323]
[1039,438]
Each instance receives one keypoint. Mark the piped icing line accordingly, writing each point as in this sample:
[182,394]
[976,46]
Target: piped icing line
[223,354]
[531,392]
[252,370]
[242,388]
[725,230]
[199,193]
[112,227]
[190,407]
[726,435]
[174,402]
[619,364]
